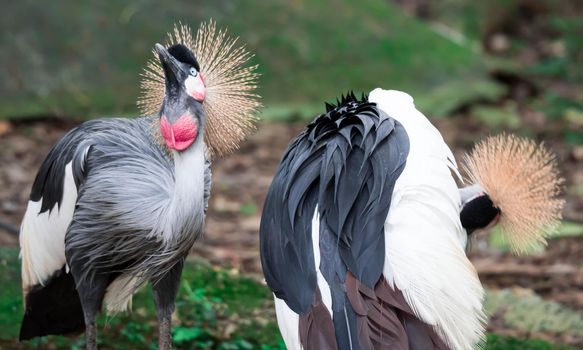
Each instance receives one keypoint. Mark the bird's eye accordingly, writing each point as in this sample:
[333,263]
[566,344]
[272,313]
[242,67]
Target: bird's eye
[193,72]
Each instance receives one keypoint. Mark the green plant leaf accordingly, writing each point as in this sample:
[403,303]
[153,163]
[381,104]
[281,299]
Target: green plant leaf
[248,209]
[182,334]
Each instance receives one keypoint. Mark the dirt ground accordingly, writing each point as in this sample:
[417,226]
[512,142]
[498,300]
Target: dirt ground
[241,181]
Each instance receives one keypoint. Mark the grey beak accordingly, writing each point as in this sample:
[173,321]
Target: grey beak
[170,64]
[160,49]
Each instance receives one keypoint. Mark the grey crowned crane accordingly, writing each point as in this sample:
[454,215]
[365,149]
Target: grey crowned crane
[120,202]
[364,230]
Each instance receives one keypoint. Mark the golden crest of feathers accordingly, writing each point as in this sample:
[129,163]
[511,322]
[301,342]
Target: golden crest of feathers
[522,180]
[231,103]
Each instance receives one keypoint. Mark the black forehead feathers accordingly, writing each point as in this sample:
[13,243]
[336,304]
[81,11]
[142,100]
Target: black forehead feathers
[184,55]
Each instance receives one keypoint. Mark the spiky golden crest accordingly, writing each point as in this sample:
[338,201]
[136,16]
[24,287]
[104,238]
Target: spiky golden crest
[231,103]
[523,181]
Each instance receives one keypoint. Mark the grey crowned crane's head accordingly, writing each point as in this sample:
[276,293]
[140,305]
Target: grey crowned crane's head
[182,115]
[172,84]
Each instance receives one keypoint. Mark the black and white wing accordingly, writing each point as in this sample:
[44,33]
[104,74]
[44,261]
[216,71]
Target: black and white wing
[45,277]
[360,234]
[322,231]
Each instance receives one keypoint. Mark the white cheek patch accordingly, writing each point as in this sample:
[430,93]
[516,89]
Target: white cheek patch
[189,84]
[195,87]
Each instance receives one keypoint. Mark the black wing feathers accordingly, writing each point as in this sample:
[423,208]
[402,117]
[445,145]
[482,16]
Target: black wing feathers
[287,257]
[49,182]
[346,162]
[54,308]
[363,160]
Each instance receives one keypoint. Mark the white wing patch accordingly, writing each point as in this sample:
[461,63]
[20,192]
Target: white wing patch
[42,236]
[287,319]
[322,284]
[424,252]
[288,323]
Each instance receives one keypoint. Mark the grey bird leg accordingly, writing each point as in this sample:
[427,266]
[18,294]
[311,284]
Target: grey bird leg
[91,295]
[90,335]
[165,291]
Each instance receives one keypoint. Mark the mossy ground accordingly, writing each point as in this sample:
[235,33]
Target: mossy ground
[216,309]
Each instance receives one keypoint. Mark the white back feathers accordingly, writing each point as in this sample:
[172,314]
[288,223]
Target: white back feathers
[424,239]
[522,181]
[231,103]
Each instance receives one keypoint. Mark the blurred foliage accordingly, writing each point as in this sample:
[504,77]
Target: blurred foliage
[447,98]
[497,342]
[538,41]
[566,229]
[499,117]
[567,64]
[557,107]
[248,209]
[83,58]
[525,311]
[10,294]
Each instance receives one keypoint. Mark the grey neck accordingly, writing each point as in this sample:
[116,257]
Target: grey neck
[186,207]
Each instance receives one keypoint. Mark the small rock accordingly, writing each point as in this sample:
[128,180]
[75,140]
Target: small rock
[222,204]
[251,223]
[5,127]
[9,206]
[577,153]
[499,43]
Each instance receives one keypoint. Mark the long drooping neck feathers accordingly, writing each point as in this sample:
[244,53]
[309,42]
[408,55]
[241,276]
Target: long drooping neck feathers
[186,206]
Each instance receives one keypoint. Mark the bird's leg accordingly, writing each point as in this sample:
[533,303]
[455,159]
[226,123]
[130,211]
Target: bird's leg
[165,334]
[91,295]
[91,300]
[90,334]
[90,309]
[165,291]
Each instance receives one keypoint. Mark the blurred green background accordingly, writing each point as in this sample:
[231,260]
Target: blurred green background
[77,58]
[474,68]
[83,59]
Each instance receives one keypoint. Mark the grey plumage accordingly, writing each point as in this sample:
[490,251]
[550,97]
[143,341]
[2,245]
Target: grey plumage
[207,180]
[136,215]
[124,218]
